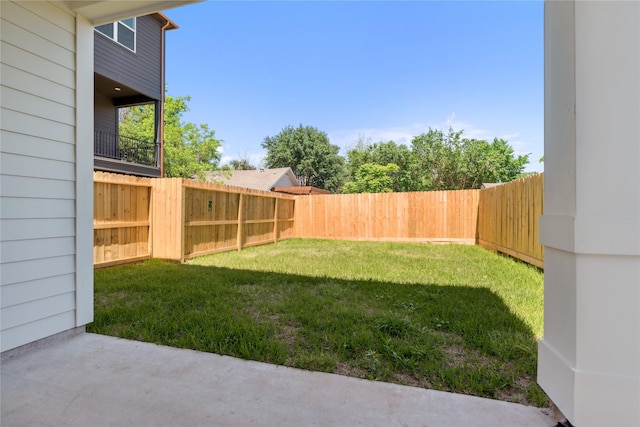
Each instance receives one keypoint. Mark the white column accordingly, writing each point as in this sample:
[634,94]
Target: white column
[84,171]
[589,359]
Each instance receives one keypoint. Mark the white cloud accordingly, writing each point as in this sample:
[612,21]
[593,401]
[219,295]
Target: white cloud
[347,138]
[509,136]
[255,158]
[519,147]
[470,131]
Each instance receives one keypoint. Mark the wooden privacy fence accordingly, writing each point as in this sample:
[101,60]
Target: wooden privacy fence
[508,219]
[421,216]
[175,218]
[121,218]
[194,218]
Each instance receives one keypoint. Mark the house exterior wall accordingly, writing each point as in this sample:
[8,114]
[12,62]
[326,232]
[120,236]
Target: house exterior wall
[139,70]
[285,181]
[46,163]
[105,114]
[38,216]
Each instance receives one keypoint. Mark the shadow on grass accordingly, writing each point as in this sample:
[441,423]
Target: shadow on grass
[453,338]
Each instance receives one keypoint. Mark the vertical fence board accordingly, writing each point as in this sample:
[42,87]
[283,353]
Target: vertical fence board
[509,219]
[420,216]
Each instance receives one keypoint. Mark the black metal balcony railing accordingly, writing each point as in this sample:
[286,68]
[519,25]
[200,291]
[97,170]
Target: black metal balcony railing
[124,148]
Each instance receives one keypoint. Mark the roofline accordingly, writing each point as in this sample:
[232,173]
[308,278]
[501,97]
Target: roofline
[170,25]
[293,175]
[100,12]
[264,183]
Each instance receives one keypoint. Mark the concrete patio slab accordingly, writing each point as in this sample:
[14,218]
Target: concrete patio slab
[95,380]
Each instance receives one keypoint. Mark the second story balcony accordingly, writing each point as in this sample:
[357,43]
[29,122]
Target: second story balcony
[123,154]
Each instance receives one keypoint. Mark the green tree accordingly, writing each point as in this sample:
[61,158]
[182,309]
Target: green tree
[189,149]
[436,160]
[450,162]
[308,152]
[241,165]
[372,178]
[382,153]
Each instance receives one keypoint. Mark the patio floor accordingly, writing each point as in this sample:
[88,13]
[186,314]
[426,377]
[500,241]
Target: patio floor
[95,380]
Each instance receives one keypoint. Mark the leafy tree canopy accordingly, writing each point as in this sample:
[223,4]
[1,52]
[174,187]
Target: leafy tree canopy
[241,165]
[372,178]
[381,154]
[435,161]
[308,152]
[450,162]
[189,149]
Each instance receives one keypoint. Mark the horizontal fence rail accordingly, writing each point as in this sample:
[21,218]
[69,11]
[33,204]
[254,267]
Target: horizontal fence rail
[420,216]
[509,217]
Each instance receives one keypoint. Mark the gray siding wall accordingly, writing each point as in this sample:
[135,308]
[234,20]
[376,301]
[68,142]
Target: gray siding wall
[139,70]
[37,171]
[105,114]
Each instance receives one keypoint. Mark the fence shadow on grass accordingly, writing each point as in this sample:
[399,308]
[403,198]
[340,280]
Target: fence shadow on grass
[454,338]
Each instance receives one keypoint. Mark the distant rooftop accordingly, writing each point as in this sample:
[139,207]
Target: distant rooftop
[261,179]
[490,184]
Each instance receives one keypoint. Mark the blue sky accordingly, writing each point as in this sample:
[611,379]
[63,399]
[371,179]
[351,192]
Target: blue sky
[380,70]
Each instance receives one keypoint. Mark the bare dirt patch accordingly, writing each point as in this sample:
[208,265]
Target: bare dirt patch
[411,380]
[350,371]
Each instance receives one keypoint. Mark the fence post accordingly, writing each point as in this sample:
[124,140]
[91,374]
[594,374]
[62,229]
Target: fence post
[240,219]
[182,223]
[445,212]
[275,223]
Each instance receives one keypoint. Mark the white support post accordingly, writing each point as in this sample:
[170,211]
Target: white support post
[84,171]
[589,359]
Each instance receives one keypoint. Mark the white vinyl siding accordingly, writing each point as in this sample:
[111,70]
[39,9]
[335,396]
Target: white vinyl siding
[36,269]
[37,329]
[37,171]
[15,186]
[27,229]
[47,149]
[23,250]
[21,293]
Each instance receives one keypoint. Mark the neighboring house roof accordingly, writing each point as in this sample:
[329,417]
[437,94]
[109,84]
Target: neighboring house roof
[490,184]
[262,179]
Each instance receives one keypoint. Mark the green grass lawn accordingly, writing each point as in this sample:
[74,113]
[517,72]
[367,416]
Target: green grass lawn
[446,317]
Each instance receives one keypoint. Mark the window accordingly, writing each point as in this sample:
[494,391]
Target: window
[123,32]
